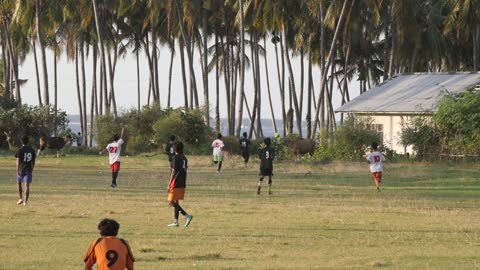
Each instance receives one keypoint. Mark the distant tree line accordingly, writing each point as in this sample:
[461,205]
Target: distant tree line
[368,40]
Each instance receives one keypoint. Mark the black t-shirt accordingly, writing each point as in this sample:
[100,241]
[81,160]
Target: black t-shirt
[244,144]
[266,156]
[170,150]
[26,156]
[180,165]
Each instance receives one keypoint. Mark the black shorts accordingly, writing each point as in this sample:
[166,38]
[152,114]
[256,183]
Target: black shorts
[246,156]
[266,172]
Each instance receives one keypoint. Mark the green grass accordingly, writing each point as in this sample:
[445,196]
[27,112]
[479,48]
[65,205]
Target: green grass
[319,217]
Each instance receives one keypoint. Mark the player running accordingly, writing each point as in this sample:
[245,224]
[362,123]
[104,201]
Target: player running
[267,154]
[376,159]
[177,185]
[114,148]
[25,163]
[109,252]
[217,146]
[244,145]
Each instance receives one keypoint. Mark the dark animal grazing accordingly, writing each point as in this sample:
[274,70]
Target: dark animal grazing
[53,143]
[301,146]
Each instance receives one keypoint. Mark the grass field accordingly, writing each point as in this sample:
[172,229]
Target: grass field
[319,217]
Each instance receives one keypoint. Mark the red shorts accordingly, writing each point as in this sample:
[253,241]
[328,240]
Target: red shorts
[377,176]
[115,167]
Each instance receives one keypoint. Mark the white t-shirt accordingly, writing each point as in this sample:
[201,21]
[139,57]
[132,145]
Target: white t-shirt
[376,160]
[114,150]
[217,147]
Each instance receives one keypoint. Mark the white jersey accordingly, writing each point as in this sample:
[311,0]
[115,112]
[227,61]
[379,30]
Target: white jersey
[217,147]
[114,150]
[376,160]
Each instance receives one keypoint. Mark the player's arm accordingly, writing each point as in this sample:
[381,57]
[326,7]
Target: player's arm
[18,166]
[33,160]
[121,133]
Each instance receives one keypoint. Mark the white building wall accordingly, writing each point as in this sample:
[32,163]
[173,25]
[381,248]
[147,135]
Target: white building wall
[392,129]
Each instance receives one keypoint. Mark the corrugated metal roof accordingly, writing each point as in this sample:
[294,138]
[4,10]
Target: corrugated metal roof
[410,93]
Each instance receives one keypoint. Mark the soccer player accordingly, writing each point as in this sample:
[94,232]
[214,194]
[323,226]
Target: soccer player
[170,149]
[376,159]
[109,252]
[217,146]
[267,154]
[177,185]
[25,163]
[114,148]
[244,145]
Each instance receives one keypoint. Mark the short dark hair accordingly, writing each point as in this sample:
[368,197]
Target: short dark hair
[267,141]
[374,145]
[116,137]
[219,136]
[244,134]
[108,227]
[25,139]
[179,147]
[172,138]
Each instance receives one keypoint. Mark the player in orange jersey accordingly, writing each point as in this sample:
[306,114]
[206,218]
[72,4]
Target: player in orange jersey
[109,252]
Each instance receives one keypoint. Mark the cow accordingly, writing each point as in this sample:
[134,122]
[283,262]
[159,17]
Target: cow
[301,146]
[53,143]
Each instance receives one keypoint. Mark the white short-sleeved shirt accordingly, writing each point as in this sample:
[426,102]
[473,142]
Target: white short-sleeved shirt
[376,161]
[114,150]
[217,147]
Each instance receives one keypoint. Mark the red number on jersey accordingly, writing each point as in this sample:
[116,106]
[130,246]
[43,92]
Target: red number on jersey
[376,158]
[112,149]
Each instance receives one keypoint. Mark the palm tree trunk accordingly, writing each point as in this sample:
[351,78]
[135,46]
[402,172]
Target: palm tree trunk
[188,45]
[184,76]
[46,97]
[55,93]
[283,82]
[226,76]
[242,71]
[102,60]
[138,80]
[13,63]
[155,65]
[392,47]
[274,123]
[333,47]
[84,95]
[150,68]
[170,70]
[293,91]
[6,66]
[282,92]
[217,86]
[308,117]
[255,87]
[79,95]
[112,100]
[37,75]
[93,103]
[206,100]
[259,103]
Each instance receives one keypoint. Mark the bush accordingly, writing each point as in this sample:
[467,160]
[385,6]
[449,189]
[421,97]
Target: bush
[106,126]
[349,142]
[187,127]
[421,134]
[33,121]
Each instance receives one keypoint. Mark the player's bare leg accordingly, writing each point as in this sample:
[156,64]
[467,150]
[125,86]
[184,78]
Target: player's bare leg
[219,166]
[20,193]
[377,184]
[260,181]
[269,185]
[27,193]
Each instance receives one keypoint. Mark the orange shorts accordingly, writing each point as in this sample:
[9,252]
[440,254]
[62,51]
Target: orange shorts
[377,176]
[115,167]
[176,194]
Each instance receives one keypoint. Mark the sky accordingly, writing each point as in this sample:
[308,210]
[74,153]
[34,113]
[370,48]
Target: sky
[126,83]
